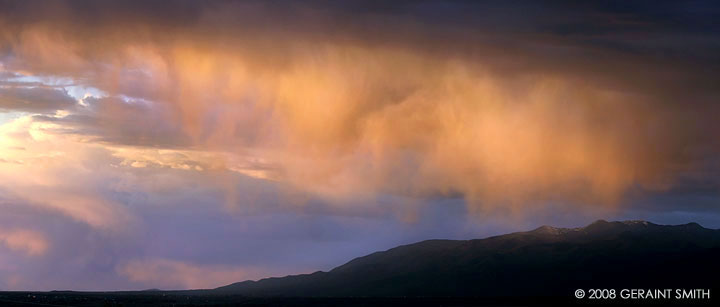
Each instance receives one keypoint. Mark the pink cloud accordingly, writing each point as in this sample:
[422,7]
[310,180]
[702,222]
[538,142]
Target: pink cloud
[173,274]
[29,242]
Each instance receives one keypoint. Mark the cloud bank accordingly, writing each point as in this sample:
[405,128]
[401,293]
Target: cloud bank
[347,116]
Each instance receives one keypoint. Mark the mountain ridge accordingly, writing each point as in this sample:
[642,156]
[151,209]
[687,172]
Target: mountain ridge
[552,257]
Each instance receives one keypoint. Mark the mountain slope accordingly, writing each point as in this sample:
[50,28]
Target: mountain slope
[545,261]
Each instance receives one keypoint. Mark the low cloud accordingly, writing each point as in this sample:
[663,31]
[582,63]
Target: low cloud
[174,274]
[56,171]
[29,242]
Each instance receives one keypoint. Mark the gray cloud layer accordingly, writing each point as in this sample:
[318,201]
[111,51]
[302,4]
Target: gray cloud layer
[34,99]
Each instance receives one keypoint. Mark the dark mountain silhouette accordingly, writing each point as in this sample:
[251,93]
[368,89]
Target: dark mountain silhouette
[539,267]
[546,261]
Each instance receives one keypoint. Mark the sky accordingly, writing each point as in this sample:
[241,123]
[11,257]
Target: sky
[192,144]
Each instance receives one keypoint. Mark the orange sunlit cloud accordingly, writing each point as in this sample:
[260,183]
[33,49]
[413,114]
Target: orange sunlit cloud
[344,120]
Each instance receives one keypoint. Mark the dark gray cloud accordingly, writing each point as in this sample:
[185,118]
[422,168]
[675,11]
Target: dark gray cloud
[117,121]
[34,99]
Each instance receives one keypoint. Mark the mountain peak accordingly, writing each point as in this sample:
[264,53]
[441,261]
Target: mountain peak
[599,222]
[545,229]
[692,225]
[636,223]
[603,224]
[599,225]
